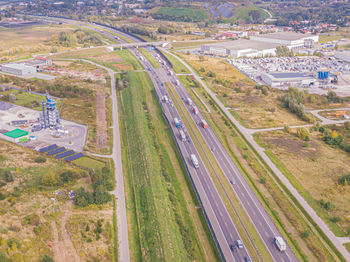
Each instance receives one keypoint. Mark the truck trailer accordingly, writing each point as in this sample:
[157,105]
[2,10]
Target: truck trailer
[194,161]
[279,242]
[183,136]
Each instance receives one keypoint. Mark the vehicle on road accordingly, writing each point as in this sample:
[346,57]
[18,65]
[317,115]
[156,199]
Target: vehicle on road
[177,122]
[177,82]
[195,110]
[232,182]
[194,161]
[279,242]
[232,247]
[183,136]
[165,99]
[247,259]
[204,123]
[239,243]
[189,100]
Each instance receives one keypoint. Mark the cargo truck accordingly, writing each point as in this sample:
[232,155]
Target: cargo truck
[194,161]
[177,122]
[183,136]
[279,242]
[204,123]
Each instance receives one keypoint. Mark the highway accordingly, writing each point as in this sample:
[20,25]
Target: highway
[250,202]
[216,213]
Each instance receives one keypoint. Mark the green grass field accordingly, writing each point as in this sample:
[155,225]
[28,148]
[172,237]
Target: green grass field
[242,13]
[178,67]
[179,12]
[89,162]
[29,100]
[130,58]
[160,226]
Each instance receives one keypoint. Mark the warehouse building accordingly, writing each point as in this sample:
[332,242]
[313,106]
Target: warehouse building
[259,46]
[278,79]
[18,69]
[241,48]
[290,39]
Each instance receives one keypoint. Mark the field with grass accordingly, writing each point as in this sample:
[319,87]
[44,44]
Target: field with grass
[181,13]
[315,169]
[336,35]
[178,67]
[241,12]
[165,222]
[28,99]
[38,219]
[20,42]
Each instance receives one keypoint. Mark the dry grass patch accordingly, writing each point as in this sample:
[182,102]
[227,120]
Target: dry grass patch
[317,167]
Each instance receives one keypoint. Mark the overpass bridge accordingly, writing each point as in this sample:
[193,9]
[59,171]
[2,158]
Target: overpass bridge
[139,44]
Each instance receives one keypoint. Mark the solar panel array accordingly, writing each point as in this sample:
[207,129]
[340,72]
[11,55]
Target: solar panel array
[56,151]
[76,156]
[47,148]
[64,154]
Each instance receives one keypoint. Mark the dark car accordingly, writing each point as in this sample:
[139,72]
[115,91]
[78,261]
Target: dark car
[232,247]
[247,259]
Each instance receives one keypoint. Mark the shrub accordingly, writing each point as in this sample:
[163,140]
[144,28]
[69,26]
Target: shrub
[83,198]
[286,129]
[345,180]
[40,159]
[305,234]
[263,180]
[47,258]
[8,177]
[50,179]
[13,241]
[335,219]
[32,219]
[303,134]
[211,74]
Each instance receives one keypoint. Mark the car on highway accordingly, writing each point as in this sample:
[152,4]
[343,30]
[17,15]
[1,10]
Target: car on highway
[239,243]
[232,247]
[247,259]
[232,182]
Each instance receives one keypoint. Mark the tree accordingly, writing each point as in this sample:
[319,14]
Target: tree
[286,129]
[264,90]
[83,198]
[8,177]
[50,179]
[254,15]
[207,34]
[283,51]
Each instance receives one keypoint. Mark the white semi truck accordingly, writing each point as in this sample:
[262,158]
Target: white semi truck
[194,161]
[189,100]
[279,242]
[183,136]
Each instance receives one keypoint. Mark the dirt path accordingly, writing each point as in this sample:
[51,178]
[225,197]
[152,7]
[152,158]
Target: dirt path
[101,120]
[63,247]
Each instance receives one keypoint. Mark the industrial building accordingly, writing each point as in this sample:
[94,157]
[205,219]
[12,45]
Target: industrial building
[39,62]
[241,48]
[17,135]
[49,116]
[343,55]
[261,45]
[290,39]
[277,79]
[18,69]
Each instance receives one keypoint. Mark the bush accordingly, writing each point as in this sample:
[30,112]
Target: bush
[50,179]
[263,180]
[47,258]
[40,159]
[345,180]
[8,177]
[83,198]
[32,219]
[13,241]
[211,74]
[303,134]
[335,219]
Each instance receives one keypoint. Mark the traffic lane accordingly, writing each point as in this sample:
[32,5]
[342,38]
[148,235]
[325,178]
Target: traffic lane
[207,191]
[212,196]
[268,232]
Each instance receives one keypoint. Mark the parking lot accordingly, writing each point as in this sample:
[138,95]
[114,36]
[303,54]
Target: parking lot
[308,65]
